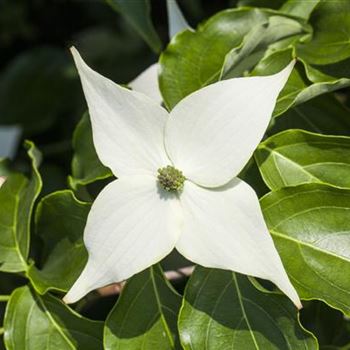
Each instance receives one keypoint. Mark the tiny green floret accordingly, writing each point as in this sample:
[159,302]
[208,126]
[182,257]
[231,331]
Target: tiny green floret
[171,179]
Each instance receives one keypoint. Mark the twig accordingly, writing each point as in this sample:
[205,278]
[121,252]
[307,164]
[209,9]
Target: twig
[4,298]
[174,275]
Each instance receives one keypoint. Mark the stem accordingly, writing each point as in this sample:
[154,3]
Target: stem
[173,275]
[4,298]
[2,330]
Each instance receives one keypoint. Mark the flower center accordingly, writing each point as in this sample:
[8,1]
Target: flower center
[171,179]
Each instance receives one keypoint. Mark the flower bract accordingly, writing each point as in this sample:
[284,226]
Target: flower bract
[213,218]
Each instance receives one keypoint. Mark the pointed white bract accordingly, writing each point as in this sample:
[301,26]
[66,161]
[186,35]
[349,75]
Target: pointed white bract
[224,228]
[147,83]
[209,136]
[132,224]
[127,126]
[176,20]
[213,132]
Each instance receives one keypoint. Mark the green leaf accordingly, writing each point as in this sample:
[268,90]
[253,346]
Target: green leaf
[60,221]
[86,166]
[145,315]
[323,114]
[310,226]
[138,13]
[17,198]
[330,42]
[193,60]
[294,157]
[255,43]
[34,322]
[223,310]
[40,80]
[302,9]
[299,87]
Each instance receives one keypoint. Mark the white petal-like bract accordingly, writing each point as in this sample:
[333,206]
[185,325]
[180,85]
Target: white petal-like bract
[147,83]
[176,20]
[132,225]
[127,126]
[212,133]
[224,228]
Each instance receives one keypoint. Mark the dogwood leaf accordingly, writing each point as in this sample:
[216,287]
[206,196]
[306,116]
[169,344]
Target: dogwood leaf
[295,157]
[145,315]
[17,198]
[223,310]
[310,227]
[44,322]
[328,43]
[323,114]
[138,14]
[63,241]
[299,87]
[194,59]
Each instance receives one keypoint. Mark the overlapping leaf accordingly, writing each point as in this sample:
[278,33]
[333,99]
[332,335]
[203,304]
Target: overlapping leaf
[330,41]
[34,322]
[223,310]
[295,157]
[311,230]
[60,222]
[195,59]
[17,197]
[323,114]
[145,315]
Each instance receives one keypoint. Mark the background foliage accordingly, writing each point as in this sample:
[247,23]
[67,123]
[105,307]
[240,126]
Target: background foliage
[301,171]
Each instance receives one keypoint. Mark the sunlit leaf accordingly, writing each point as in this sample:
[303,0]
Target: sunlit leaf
[223,310]
[311,230]
[17,197]
[34,322]
[294,157]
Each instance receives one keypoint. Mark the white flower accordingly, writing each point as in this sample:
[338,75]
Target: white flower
[212,218]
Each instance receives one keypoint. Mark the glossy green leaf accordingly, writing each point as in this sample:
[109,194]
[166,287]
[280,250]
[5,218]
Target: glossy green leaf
[223,310]
[60,221]
[330,41]
[193,60]
[253,47]
[35,89]
[299,88]
[17,198]
[299,8]
[138,14]
[311,229]
[86,166]
[34,322]
[294,157]
[323,114]
[145,315]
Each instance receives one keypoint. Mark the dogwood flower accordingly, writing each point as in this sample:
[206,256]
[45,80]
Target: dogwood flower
[177,184]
